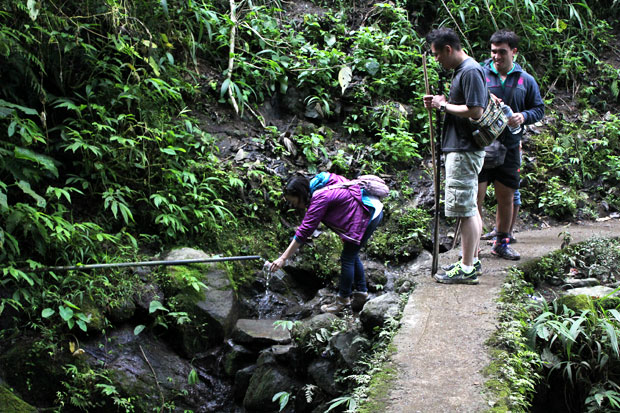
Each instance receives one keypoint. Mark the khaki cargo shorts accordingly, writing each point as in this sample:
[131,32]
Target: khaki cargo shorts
[462,169]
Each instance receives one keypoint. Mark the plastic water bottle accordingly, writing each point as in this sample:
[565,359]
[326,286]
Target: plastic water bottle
[508,112]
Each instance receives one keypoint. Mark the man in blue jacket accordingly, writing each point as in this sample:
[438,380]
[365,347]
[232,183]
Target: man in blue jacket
[517,89]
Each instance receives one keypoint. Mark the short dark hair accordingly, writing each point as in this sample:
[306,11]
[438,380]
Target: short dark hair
[505,36]
[443,37]
[298,186]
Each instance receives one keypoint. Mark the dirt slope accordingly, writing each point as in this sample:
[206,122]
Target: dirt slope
[440,349]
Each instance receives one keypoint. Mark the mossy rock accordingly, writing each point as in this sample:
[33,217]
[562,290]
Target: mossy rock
[31,370]
[577,303]
[97,319]
[180,274]
[609,303]
[9,402]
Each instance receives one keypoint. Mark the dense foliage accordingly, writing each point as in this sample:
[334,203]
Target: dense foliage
[559,353]
[106,108]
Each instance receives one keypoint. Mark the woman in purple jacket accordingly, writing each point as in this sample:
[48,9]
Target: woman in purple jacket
[353,215]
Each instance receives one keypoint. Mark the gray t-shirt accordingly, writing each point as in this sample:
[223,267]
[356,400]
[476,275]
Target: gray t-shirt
[469,88]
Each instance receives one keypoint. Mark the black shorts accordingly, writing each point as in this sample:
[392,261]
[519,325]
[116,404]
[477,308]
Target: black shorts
[508,173]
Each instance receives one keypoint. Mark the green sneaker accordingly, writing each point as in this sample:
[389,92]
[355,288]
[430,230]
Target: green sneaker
[477,267]
[457,276]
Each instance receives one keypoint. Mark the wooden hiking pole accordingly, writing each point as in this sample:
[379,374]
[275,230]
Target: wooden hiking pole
[435,176]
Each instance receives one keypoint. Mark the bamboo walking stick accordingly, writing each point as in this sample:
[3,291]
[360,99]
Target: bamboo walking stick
[435,176]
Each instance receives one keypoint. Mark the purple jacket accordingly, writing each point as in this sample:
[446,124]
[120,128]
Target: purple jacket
[341,209]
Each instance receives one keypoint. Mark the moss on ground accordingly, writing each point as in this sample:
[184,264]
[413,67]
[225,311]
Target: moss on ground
[379,387]
[9,402]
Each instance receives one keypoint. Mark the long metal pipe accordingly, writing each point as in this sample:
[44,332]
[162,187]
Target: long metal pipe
[148,263]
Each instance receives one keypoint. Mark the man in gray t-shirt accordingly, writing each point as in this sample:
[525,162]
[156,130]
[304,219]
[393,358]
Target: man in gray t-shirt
[468,98]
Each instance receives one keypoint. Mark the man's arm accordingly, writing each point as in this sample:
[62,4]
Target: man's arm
[462,111]
[534,104]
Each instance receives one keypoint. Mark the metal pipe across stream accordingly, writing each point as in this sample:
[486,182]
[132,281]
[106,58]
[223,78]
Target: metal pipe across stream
[148,263]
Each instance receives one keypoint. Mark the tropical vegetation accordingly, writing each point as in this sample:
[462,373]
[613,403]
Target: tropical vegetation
[116,117]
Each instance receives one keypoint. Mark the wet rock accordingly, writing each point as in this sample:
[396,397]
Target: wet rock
[323,373]
[267,380]
[376,311]
[259,333]
[349,347]
[407,274]
[236,358]
[149,370]
[375,275]
[421,265]
[242,381]
[579,282]
[149,292]
[122,311]
[283,354]
[220,310]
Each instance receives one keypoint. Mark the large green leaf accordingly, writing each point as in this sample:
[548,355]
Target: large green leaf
[6,108]
[25,186]
[45,161]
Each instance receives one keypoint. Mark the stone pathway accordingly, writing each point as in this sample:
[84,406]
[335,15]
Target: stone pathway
[440,349]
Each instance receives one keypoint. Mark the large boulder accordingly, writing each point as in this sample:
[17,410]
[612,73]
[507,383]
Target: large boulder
[213,310]
[349,346]
[147,370]
[266,381]
[237,358]
[259,334]
[304,330]
[9,402]
[26,365]
[323,373]
[377,311]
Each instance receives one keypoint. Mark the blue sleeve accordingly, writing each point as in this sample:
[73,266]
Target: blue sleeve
[533,102]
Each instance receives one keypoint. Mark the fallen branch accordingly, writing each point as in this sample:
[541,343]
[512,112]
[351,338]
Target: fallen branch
[161,393]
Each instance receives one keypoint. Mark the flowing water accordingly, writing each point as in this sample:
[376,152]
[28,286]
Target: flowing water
[265,303]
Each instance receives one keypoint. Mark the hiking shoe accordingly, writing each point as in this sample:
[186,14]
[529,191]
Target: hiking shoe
[502,249]
[358,300]
[477,267]
[489,235]
[337,307]
[491,241]
[457,276]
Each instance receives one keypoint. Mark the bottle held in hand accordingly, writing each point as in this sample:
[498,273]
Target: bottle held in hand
[508,112]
